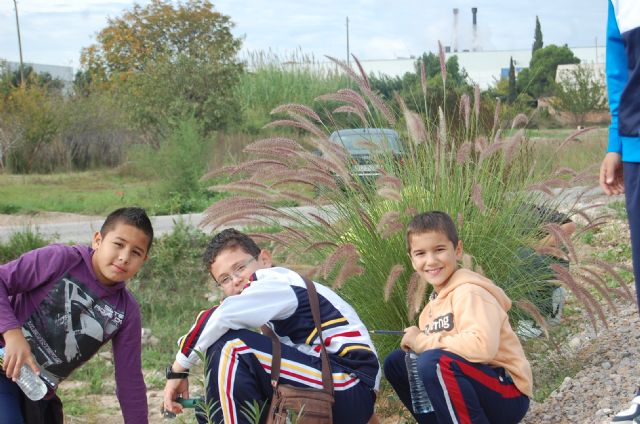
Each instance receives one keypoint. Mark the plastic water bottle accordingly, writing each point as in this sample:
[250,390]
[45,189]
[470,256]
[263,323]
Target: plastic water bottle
[29,382]
[420,401]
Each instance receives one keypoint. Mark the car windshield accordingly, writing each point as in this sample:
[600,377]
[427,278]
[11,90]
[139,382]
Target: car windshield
[362,143]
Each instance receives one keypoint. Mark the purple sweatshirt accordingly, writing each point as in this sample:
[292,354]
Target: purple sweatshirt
[66,315]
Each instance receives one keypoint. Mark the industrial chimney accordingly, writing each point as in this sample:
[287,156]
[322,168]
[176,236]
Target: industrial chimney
[455,30]
[474,11]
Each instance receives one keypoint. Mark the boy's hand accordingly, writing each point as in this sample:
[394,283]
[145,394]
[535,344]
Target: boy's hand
[17,352]
[409,337]
[173,389]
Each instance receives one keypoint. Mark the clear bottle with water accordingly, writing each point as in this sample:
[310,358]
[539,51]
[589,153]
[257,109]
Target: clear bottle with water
[420,401]
[32,385]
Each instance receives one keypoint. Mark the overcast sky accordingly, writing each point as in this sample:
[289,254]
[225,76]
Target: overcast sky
[54,31]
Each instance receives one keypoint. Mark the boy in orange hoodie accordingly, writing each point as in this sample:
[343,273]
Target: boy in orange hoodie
[470,360]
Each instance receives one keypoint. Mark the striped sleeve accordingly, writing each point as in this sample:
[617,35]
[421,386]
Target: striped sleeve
[187,342]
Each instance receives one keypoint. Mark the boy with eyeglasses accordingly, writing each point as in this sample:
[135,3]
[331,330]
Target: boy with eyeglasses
[239,360]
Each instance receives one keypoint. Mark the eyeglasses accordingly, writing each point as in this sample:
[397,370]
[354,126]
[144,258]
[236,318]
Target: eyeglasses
[225,279]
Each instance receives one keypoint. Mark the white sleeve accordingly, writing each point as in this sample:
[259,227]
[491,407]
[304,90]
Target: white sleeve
[263,301]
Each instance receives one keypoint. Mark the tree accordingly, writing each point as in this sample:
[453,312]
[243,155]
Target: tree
[539,79]
[164,58]
[579,92]
[511,97]
[537,37]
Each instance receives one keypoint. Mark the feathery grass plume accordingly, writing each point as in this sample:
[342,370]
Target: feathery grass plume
[498,136]
[542,187]
[321,220]
[349,269]
[443,62]
[490,150]
[292,195]
[390,193]
[412,288]
[564,171]
[389,218]
[387,180]
[611,271]
[394,274]
[534,313]
[296,124]
[415,127]
[419,296]
[298,109]
[464,152]
[392,229]
[496,115]
[476,196]
[476,102]
[423,79]
[275,146]
[346,95]
[513,144]
[410,211]
[217,214]
[344,251]
[574,135]
[363,74]
[481,143]
[467,261]
[583,296]
[561,236]
[348,109]
[520,119]
[260,164]
[442,127]
[460,221]
[225,170]
[347,69]
[320,245]
[553,251]
[366,220]
[465,107]
[595,281]
[249,187]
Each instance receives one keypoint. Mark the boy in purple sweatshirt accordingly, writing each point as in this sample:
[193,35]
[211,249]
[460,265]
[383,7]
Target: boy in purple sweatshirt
[60,304]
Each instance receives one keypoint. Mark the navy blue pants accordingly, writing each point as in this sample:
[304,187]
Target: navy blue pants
[460,391]
[631,173]
[10,401]
[239,369]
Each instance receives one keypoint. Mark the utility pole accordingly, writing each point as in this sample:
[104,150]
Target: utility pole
[15,4]
[348,53]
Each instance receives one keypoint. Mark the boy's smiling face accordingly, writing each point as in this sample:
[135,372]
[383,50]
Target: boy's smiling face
[434,257]
[119,255]
[232,268]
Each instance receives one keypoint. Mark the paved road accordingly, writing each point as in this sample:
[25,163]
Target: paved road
[82,231]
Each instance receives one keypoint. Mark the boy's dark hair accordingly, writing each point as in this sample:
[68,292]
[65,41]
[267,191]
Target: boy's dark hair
[432,221]
[136,217]
[227,239]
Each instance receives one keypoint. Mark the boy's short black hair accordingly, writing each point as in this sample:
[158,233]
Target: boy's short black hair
[432,221]
[228,239]
[136,217]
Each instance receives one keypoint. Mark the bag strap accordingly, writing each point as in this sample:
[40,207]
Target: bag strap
[276,357]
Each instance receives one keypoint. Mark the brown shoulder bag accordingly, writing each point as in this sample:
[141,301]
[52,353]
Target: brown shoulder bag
[304,405]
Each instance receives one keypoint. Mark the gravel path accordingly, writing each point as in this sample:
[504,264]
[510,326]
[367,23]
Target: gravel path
[609,377]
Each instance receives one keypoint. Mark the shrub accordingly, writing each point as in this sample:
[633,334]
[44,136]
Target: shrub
[21,242]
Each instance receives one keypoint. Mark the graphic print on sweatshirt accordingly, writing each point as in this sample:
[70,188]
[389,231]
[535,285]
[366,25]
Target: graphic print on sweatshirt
[441,323]
[69,327]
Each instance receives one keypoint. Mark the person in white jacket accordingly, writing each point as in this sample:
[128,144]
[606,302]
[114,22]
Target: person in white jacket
[239,360]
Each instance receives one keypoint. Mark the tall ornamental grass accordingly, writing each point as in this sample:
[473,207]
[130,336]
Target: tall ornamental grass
[271,81]
[352,233]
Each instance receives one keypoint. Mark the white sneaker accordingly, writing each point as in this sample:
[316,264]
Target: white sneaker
[631,415]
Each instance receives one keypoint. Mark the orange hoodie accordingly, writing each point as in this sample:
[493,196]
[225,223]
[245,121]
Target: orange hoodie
[469,318]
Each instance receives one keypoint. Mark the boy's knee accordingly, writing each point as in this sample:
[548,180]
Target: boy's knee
[394,366]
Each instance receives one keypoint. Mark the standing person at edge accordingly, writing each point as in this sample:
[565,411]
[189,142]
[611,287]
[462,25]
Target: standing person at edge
[470,360]
[61,303]
[239,360]
[620,169]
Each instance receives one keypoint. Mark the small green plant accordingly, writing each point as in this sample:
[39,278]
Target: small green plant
[21,242]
